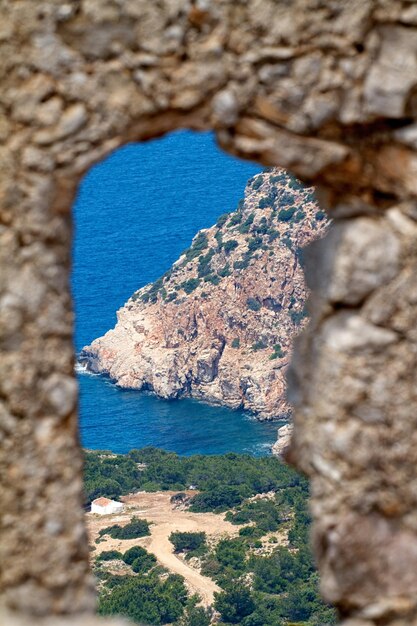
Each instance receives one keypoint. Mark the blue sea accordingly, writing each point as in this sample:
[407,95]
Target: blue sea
[135,212]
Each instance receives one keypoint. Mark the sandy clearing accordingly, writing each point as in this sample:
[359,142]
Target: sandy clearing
[157,508]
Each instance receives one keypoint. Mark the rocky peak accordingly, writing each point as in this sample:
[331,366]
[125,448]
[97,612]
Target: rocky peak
[218,325]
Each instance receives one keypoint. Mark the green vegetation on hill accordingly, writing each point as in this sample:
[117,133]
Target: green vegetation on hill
[266,574]
[145,598]
[223,480]
[283,202]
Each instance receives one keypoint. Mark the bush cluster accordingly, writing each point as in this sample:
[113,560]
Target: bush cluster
[133,530]
[186,542]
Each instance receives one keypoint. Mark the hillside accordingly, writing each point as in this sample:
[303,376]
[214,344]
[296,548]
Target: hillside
[218,325]
[238,539]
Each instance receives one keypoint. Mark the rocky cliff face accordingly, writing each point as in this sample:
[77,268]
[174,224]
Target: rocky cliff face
[218,325]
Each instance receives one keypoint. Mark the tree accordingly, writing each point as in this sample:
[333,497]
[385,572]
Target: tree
[146,598]
[231,553]
[234,604]
[217,499]
[187,541]
[196,616]
[144,563]
[133,553]
[140,559]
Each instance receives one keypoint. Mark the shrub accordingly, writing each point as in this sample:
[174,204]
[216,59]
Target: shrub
[234,604]
[285,215]
[266,514]
[299,216]
[190,285]
[245,227]
[133,553]
[134,529]
[152,294]
[236,342]
[230,245]
[183,541]
[310,197]
[200,243]
[219,238]
[298,316]
[278,352]
[254,243]
[268,200]
[250,531]
[231,553]
[224,271]
[212,278]
[235,219]
[204,270]
[259,345]
[262,228]
[196,616]
[217,499]
[294,183]
[109,555]
[253,304]
[257,182]
[320,215]
[146,598]
[241,265]
[144,563]
[287,242]
[222,219]
[204,263]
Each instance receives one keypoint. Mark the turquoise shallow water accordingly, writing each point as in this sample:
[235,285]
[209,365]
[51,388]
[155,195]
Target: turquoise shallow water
[134,214]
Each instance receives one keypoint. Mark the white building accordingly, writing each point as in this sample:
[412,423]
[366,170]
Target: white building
[104,506]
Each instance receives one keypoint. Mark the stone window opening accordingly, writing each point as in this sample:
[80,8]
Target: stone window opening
[284,85]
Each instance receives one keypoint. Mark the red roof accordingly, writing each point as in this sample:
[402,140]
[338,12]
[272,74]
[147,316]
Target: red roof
[101,501]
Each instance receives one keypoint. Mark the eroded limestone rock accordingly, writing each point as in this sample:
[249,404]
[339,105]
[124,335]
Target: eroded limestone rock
[218,325]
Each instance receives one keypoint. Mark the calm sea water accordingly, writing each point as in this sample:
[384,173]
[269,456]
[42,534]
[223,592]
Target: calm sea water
[134,214]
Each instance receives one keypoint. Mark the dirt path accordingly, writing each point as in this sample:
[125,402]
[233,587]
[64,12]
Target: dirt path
[157,508]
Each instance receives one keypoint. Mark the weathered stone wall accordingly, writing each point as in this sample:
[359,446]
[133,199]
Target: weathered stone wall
[325,88]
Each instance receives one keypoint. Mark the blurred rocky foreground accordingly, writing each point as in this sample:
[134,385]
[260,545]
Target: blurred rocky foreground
[20,619]
[324,88]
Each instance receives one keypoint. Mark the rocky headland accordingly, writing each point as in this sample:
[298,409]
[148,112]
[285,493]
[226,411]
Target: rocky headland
[218,326]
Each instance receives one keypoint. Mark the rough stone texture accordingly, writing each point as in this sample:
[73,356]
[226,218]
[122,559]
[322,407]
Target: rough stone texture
[353,387]
[325,88]
[207,342]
